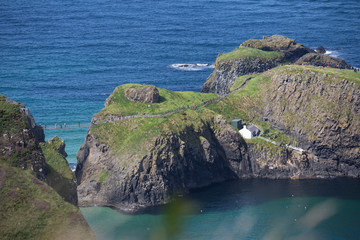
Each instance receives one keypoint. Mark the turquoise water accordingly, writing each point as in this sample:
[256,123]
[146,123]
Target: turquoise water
[247,209]
[64,58]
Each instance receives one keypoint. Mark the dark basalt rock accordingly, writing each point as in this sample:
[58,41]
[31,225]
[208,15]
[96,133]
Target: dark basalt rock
[175,164]
[19,139]
[289,47]
[146,94]
[322,60]
[321,50]
[28,185]
[225,72]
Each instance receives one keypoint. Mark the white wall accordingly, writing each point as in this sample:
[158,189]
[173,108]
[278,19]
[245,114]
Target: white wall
[245,133]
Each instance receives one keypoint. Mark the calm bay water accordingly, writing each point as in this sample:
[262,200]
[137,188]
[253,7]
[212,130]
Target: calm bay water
[63,58]
[246,209]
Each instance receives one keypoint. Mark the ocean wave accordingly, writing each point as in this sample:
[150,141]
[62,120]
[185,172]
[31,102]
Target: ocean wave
[72,166]
[192,66]
[332,53]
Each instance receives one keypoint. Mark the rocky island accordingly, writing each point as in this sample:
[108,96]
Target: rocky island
[149,144]
[37,188]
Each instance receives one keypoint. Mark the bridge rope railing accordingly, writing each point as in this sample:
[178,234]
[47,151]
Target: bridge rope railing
[64,126]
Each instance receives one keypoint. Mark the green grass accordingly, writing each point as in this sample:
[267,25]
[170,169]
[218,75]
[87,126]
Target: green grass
[261,144]
[59,175]
[333,74]
[133,138]
[240,104]
[245,52]
[129,136]
[11,119]
[169,101]
[102,176]
[30,209]
[55,160]
[241,80]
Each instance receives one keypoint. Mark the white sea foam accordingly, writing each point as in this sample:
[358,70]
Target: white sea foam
[72,166]
[192,66]
[332,53]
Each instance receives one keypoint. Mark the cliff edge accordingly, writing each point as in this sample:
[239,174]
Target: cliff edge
[29,173]
[256,56]
[142,154]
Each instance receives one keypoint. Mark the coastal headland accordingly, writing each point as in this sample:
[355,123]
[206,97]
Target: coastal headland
[149,144]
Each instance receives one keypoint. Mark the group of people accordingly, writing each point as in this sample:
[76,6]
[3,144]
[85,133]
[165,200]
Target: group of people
[61,125]
[341,67]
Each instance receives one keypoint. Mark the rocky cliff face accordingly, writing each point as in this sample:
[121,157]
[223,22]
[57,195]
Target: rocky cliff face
[289,47]
[58,173]
[30,207]
[319,108]
[322,60]
[225,73]
[146,94]
[19,138]
[316,109]
[274,162]
[145,161]
[177,161]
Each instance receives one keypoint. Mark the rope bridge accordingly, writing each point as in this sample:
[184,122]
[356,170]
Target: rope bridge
[65,126]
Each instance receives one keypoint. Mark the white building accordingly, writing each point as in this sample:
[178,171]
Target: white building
[249,132]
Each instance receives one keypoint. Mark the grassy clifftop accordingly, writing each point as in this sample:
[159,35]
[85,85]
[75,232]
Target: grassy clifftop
[11,119]
[275,89]
[246,52]
[169,101]
[135,137]
[142,160]
[304,98]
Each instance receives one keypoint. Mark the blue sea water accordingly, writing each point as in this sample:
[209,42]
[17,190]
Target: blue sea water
[63,58]
[245,209]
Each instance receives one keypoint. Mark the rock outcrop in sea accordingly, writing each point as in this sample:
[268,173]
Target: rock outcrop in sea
[256,56]
[185,141]
[291,49]
[321,60]
[37,188]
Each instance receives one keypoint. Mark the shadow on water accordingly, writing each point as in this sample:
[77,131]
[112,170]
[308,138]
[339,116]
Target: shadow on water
[243,209]
[233,195]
